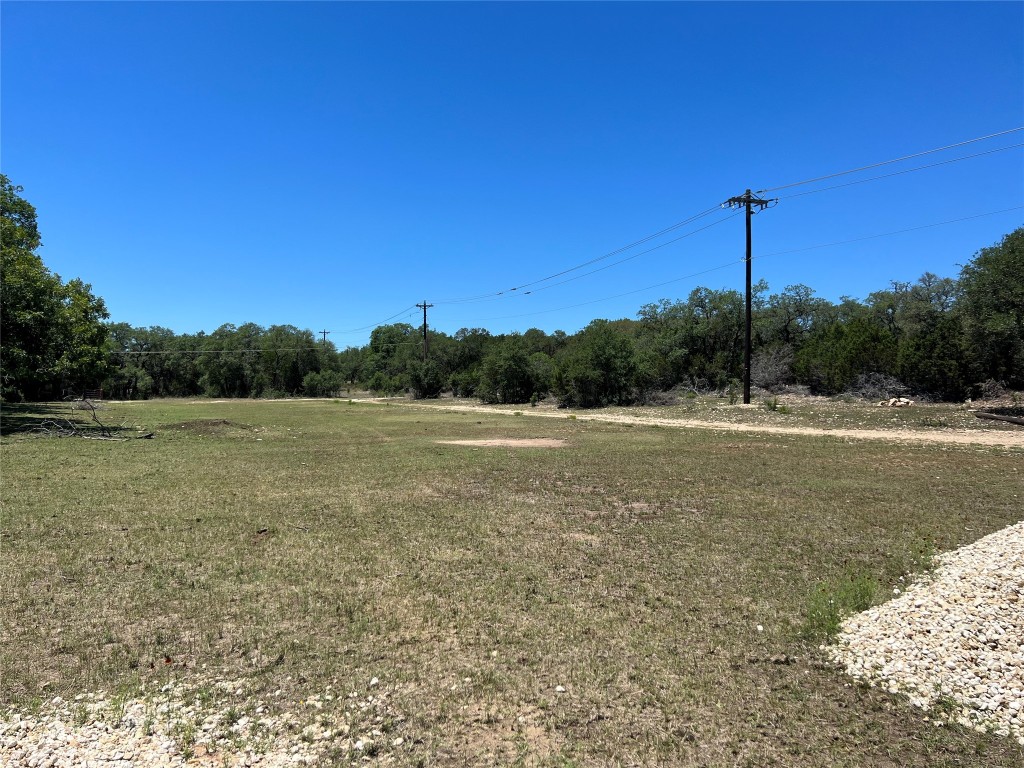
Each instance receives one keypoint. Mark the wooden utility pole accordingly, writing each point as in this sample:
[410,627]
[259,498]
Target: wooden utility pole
[748,200]
[324,333]
[424,307]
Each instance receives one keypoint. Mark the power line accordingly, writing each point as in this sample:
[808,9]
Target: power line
[607,298]
[641,241]
[374,325]
[616,296]
[616,263]
[887,234]
[211,351]
[628,258]
[617,251]
[899,173]
[889,162]
[740,261]
[499,294]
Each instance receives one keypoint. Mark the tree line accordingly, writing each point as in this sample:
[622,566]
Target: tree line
[938,337]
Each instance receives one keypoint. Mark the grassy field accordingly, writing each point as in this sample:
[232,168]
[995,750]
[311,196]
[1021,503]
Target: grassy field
[641,596]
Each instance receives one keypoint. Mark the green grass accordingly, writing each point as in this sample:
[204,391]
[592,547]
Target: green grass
[302,544]
[831,603]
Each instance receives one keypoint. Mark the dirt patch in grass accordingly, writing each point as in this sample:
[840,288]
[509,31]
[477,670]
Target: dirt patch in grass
[208,426]
[534,442]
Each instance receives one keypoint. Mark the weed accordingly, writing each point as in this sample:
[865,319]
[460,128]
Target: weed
[118,706]
[733,391]
[772,404]
[829,604]
[184,733]
[205,696]
[946,706]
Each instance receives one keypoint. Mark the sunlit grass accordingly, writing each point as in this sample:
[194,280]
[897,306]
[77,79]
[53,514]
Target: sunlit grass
[298,543]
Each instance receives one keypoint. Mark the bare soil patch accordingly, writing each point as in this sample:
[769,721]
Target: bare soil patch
[207,426]
[534,442]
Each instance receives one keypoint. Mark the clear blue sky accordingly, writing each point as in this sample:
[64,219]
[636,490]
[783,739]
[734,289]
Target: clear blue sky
[328,164]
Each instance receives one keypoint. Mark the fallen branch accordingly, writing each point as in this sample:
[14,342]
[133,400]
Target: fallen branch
[1000,417]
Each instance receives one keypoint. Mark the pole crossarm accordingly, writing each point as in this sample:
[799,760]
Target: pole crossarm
[748,199]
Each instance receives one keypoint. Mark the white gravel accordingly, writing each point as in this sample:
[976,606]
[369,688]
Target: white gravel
[953,643]
[204,723]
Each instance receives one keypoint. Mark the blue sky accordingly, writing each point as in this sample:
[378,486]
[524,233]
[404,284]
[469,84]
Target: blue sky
[326,165]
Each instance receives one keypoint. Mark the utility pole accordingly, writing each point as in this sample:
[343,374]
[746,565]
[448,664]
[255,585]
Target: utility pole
[424,307]
[324,333]
[748,200]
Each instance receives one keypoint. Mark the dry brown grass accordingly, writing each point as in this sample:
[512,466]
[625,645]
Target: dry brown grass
[305,544]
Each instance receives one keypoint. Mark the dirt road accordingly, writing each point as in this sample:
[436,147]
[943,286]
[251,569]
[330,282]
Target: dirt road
[1002,438]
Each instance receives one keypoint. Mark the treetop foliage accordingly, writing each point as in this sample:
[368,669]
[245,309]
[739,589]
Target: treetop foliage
[53,336]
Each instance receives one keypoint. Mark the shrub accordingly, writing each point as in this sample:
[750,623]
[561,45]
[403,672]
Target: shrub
[772,368]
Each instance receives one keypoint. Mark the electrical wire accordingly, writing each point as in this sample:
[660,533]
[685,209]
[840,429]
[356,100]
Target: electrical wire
[617,295]
[605,298]
[899,173]
[210,351]
[641,241]
[887,234]
[889,162]
[740,261]
[374,325]
[628,258]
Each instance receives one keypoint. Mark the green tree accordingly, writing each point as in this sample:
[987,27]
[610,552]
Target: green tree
[426,379]
[287,354]
[932,360]
[53,336]
[229,365]
[836,354]
[393,352]
[597,369]
[507,374]
[991,303]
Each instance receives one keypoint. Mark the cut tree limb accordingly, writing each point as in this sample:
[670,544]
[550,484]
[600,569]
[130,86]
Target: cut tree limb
[999,417]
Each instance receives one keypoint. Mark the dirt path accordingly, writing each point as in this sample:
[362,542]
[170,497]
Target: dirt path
[1003,438]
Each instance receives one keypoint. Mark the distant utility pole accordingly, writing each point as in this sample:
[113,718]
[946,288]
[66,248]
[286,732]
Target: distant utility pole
[325,335]
[747,199]
[424,307]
